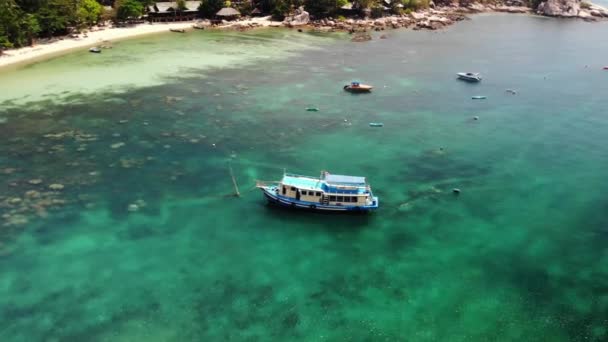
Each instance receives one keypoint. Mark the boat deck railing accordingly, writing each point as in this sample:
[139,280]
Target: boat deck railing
[299,176]
[261,183]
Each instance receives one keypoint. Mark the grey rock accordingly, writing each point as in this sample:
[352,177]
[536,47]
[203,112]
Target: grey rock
[301,17]
[559,8]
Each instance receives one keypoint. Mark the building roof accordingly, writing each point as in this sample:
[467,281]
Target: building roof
[170,6]
[228,12]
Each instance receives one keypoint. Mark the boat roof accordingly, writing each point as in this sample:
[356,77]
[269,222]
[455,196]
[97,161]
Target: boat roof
[330,184]
[302,182]
[345,180]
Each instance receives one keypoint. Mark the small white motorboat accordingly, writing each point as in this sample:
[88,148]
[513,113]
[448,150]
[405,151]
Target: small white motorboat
[469,76]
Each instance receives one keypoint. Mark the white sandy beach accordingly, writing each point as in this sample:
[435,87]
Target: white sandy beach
[40,51]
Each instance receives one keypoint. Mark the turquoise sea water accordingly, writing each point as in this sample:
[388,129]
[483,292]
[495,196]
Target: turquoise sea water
[145,242]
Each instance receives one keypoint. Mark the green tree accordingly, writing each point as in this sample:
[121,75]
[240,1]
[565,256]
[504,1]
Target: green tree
[415,5]
[208,8]
[279,8]
[88,12]
[361,4]
[245,8]
[323,7]
[4,42]
[56,17]
[181,5]
[29,27]
[17,28]
[128,9]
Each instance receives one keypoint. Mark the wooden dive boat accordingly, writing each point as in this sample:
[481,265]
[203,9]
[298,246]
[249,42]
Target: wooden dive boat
[356,87]
[328,192]
[178,30]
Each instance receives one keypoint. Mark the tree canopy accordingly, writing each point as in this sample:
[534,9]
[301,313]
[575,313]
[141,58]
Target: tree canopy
[128,9]
[208,8]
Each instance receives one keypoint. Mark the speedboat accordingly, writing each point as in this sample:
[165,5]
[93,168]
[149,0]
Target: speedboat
[95,50]
[356,87]
[325,193]
[469,76]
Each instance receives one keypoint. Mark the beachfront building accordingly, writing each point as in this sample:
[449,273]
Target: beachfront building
[168,11]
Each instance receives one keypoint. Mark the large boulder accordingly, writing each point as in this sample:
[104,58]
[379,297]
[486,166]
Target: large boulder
[598,11]
[560,8]
[300,17]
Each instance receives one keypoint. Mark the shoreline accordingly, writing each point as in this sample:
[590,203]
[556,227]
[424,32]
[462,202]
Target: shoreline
[430,19]
[63,45]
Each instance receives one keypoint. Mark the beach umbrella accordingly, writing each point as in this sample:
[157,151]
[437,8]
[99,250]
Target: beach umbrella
[228,12]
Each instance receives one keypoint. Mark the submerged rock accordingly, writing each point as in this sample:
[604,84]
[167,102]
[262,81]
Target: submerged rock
[16,220]
[359,37]
[32,194]
[14,200]
[117,145]
[56,186]
[133,207]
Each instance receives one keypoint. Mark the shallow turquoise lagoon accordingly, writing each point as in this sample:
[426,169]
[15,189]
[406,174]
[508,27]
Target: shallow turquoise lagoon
[146,242]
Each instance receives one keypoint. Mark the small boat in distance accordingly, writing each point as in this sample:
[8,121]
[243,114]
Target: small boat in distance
[326,193]
[469,76]
[376,124]
[95,50]
[606,67]
[178,30]
[478,97]
[356,87]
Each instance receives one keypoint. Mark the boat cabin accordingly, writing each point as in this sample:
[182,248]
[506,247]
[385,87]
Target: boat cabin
[330,189]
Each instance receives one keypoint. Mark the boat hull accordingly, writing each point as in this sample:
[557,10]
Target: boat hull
[286,202]
[360,89]
[469,78]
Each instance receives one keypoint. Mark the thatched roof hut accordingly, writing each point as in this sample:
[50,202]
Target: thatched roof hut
[228,12]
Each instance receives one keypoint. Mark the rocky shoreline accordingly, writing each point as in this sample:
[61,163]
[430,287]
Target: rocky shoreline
[433,18]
